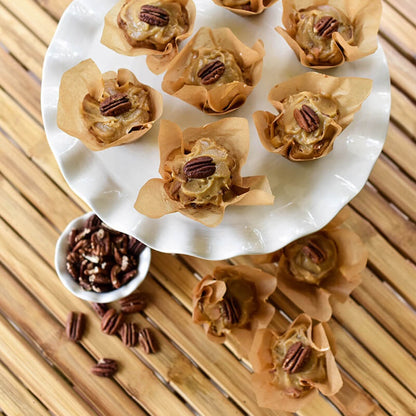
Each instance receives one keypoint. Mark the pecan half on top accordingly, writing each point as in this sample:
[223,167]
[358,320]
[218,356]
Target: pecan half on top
[307,118]
[154,15]
[211,72]
[199,167]
[289,368]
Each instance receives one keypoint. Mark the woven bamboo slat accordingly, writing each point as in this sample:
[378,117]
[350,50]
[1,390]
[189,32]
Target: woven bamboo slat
[407,8]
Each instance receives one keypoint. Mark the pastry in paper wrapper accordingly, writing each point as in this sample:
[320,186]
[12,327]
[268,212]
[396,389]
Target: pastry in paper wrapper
[289,369]
[319,269]
[215,72]
[326,33]
[131,29]
[233,301]
[105,110]
[245,7]
[313,110]
[200,169]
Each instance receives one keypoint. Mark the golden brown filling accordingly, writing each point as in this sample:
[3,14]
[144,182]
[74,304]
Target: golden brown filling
[202,58]
[288,129]
[140,33]
[201,191]
[108,128]
[236,308]
[296,364]
[311,259]
[313,33]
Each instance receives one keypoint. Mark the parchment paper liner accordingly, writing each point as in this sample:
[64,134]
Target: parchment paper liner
[265,285]
[233,134]
[348,92]
[271,396]
[317,301]
[220,99]
[365,16]
[85,78]
[256,7]
[113,37]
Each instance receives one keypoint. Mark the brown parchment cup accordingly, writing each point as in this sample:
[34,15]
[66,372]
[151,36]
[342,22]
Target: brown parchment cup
[255,7]
[86,79]
[211,290]
[317,300]
[347,92]
[231,133]
[220,99]
[271,395]
[114,38]
[365,16]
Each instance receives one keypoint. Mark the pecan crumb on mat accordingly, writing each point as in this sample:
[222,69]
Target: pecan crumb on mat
[145,341]
[106,367]
[111,322]
[133,303]
[75,326]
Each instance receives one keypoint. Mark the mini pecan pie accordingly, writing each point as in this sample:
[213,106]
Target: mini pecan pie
[200,168]
[327,33]
[290,368]
[233,300]
[313,110]
[245,7]
[154,28]
[105,110]
[215,72]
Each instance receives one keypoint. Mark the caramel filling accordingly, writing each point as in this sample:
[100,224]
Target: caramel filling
[214,189]
[313,369]
[311,259]
[288,130]
[142,34]
[321,49]
[108,129]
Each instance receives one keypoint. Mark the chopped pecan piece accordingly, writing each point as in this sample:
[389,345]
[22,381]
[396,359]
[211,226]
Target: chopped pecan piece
[129,334]
[199,167]
[307,118]
[111,322]
[296,357]
[106,367]
[115,105]
[326,26]
[211,72]
[75,325]
[133,303]
[145,341]
[154,15]
[314,252]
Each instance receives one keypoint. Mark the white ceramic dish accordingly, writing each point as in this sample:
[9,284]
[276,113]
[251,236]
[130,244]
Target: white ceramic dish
[61,252]
[308,194]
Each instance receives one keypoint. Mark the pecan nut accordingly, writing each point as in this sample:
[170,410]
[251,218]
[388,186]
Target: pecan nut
[99,308]
[129,334]
[211,72]
[135,247]
[230,310]
[115,105]
[111,322]
[75,325]
[326,26]
[154,15]
[296,357]
[133,303]
[199,167]
[314,252]
[307,118]
[106,367]
[145,341]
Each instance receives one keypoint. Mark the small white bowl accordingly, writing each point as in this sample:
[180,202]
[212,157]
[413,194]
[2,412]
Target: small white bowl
[61,252]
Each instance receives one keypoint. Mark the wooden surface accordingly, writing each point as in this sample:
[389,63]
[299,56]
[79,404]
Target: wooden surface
[41,372]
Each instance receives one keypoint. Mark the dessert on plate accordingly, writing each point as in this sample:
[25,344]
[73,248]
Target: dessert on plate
[245,7]
[326,33]
[313,109]
[215,72]
[200,169]
[148,27]
[105,110]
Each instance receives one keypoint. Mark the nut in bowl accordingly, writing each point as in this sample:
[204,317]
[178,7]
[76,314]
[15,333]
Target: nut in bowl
[97,263]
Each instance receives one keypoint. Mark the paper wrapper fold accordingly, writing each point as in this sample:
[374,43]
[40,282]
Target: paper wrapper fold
[114,38]
[347,92]
[271,395]
[233,134]
[211,289]
[86,79]
[255,7]
[220,99]
[365,16]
